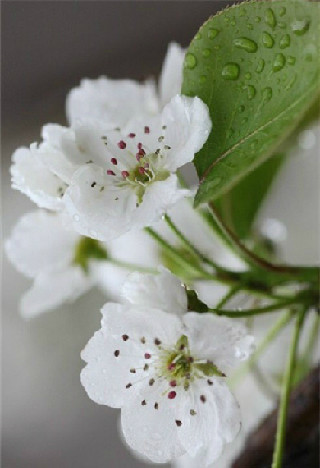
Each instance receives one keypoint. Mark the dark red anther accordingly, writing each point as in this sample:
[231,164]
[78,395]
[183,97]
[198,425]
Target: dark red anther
[141,170]
[114,161]
[109,172]
[146,129]
[147,356]
[125,174]
[172,395]
[131,135]
[173,383]
[139,145]
[171,366]
[122,144]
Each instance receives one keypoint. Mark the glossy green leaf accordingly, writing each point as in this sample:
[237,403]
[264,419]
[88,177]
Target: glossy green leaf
[256,66]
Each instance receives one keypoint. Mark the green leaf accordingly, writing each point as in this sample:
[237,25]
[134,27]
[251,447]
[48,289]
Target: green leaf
[256,67]
[239,206]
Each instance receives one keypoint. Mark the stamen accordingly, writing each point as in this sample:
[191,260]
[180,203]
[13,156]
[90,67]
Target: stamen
[193,412]
[156,406]
[139,145]
[129,385]
[157,341]
[144,403]
[161,138]
[125,337]
[114,161]
[178,423]
[109,172]
[141,170]
[132,371]
[131,135]
[203,398]
[164,127]
[146,367]
[116,353]
[143,340]
[171,366]
[125,174]
[210,382]
[93,184]
[146,129]
[122,144]
[147,356]
[173,383]
[172,395]
[151,382]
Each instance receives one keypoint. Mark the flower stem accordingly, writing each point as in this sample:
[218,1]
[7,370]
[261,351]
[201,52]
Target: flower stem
[189,245]
[131,266]
[262,346]
[285,394]
[262,310]
[232,292]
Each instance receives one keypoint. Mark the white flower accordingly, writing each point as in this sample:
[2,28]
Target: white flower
[135,180]
[42,248]
[165,369]
[115,102]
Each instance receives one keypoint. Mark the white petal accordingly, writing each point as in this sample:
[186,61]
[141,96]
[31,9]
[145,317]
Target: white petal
[101,214]
[52,289]
[39,242]
[216,420]
[163,291]
[141,322]
[112,101]
[171,75]
[188,126]
[222,340]
[32,177]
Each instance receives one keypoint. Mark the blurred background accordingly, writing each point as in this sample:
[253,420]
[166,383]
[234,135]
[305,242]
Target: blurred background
[47,47]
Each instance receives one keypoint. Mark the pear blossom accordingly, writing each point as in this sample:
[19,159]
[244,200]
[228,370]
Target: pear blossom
[165,368]
[115,102]
[58,260]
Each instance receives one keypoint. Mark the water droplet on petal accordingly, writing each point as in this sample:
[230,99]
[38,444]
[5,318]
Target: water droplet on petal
[246,44]
[190,61]
[300,27]
[267,40]
[260,65]
[279,62]
[231,71]
[212,33]
[285,41]
[270,18]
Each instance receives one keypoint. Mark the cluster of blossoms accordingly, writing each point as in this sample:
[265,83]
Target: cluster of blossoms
[97,184]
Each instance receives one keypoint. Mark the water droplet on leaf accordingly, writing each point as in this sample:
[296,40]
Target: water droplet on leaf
[231,71]
[267,94]
[212,33]
[291,60]
[270,18]
[279,62]
[285,41]
[300,27]
[206,52]
[246,44]
[282,11]
[190,61]
[267,40]
[260,65]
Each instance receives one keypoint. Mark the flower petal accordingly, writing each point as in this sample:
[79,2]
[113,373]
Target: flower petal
[31,176]
[171,74]
[219,339]
[39,242]
[113,102]
[163,291]
[188,126]
[51,289]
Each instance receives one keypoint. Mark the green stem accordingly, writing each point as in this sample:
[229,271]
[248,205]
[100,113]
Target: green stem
[262,310]
[189,245]
[132,266]
[232,292]
[262,346]
[285,394]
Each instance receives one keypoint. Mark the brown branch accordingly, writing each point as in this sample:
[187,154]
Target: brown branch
[302,436]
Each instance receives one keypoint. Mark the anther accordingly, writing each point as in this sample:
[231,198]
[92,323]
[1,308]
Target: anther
[93,184]
[172,395]
[132,371]
[116,353]
[203,398]
[171,366]
[151,382]
[173,383]
[125,337]
[178,423]
[139,145]
[109,172]
[129,385]
[125,174]
[131,135]
[146,367]
[122,144]
[143,340]
[161,138]
[147,356]
[141,170]
[157,341]
[146,129]
[156,406]
[210,382]
[143,402]
[114,161]
[193,412]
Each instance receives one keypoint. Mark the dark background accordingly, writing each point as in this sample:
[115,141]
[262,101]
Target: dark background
[47,47]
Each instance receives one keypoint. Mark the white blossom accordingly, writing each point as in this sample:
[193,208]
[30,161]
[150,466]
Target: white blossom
[115,102]
[165,368]
[44,249]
